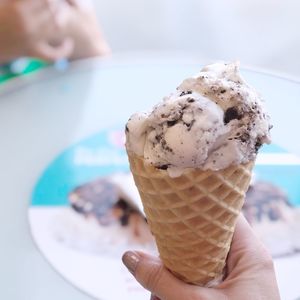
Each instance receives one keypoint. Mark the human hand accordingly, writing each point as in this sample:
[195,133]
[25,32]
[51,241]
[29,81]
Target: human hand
[83,27]
[28,26]
[250,273]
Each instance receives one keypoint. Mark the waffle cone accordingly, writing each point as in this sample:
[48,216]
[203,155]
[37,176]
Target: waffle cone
[193,216]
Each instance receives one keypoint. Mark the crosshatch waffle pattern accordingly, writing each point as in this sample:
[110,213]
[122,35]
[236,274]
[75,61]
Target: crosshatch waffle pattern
[192,216]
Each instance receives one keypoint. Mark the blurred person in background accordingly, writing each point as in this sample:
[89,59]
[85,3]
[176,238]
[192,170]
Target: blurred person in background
[49,30]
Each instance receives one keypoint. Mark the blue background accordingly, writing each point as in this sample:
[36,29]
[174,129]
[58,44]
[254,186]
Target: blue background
[63,174]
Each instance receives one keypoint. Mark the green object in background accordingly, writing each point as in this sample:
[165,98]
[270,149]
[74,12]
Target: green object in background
[20,67]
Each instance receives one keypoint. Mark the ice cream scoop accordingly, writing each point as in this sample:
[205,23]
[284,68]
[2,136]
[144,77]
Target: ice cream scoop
[191,158]
[212,121]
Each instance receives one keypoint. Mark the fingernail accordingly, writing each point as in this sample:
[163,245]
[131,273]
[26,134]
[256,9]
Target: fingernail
[153,297]
[130,260]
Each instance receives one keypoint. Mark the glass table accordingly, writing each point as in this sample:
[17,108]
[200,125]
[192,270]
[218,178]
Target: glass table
[44,113]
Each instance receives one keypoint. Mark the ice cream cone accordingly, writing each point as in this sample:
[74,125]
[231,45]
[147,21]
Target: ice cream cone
[193,216]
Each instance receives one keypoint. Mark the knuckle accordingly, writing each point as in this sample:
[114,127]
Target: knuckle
[17,7]
[153,276]
[17,11]
[48,3]
[262,259]
[267,261]
[58,27]
[22,20]
[193,295]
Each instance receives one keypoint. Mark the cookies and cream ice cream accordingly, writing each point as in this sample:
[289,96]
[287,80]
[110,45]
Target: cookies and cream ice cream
[191,158]
[212,121]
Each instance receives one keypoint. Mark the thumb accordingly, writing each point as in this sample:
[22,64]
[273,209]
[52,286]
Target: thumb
[150,272]
[45,51]
[72,2]
[79,3]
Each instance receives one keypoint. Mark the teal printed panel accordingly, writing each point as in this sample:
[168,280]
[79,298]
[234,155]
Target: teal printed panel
[97,156]
[104,153]
[285,177]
